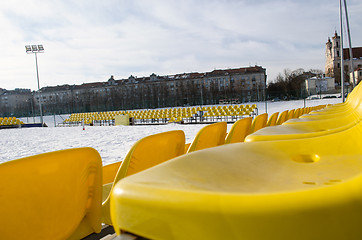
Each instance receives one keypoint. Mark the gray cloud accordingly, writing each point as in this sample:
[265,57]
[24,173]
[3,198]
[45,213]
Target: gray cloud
[88,41]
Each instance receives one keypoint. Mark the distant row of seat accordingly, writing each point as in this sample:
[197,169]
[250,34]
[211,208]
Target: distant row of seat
[88,118]
[8,121]
[217,113]
[168,115]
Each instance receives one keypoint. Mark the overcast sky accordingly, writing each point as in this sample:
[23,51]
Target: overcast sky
[88,40]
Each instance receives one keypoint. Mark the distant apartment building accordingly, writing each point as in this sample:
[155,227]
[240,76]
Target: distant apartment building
[333,59]
[18,101]
[241,84]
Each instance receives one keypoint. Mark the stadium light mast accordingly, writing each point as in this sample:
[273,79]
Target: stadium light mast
[341,50]
[36,49]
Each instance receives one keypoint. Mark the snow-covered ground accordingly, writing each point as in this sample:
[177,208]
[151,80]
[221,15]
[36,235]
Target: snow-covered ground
[112,142]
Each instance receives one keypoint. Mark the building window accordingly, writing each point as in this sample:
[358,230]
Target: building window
[338,65]
[337,53]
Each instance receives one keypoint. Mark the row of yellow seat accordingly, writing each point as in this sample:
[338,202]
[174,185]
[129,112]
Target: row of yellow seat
[92,116]
[168,114]
[223,113]
[297,180]
[243,127]
[7,121]
[64,188]
[164,115]
[180,113]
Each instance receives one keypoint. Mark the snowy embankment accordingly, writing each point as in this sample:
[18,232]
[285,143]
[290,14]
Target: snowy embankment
[112,142]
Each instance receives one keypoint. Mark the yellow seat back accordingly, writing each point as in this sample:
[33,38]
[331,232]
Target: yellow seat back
[110,171]
[297,113]
[54,195]
[259,122]
[145,153]
[239,130]
[282,117]
[290,114]
[210,136]
[272,120]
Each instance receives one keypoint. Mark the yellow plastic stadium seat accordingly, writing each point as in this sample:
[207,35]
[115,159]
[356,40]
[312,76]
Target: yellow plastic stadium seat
[259,122]
[282,117]
[290,114]
[321,121]
[239,130]
[211,135]
[54,195]
[305,127]
[109,172]
[304,111]
[335,111]
[144,154]
[296,189]
[272,119]
[297,113]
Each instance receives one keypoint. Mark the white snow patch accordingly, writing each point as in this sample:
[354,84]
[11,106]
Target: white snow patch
[112,142]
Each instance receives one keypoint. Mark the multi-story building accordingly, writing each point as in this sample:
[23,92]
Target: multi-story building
[18,101]
[242,84]
[333,59]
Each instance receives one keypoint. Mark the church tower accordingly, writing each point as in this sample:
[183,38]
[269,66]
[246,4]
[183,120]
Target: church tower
[333,57]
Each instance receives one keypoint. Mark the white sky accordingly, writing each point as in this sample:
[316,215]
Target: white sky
[88,40]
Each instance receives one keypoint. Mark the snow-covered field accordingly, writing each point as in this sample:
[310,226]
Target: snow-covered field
[112,142]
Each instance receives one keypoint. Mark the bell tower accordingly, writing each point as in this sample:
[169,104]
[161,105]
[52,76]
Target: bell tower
[333,57]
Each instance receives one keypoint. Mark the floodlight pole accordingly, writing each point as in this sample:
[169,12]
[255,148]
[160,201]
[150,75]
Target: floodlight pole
[37,77]
[341,50]
[350,46]
[265,95]
[37,49]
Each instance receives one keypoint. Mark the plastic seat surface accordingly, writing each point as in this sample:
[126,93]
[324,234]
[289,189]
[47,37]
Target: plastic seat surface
[290,114]
[211,135]
[297,189]
[302,129]
[145,153]
[352,103]
[272,119]
[239,130]
[345,117]
[259,122]
[308,127]
[282,117]
[330,112]
[54,195]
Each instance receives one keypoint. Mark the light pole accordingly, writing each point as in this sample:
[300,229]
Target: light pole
[36,49]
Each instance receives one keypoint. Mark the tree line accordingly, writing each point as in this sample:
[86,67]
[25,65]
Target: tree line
[289,84]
